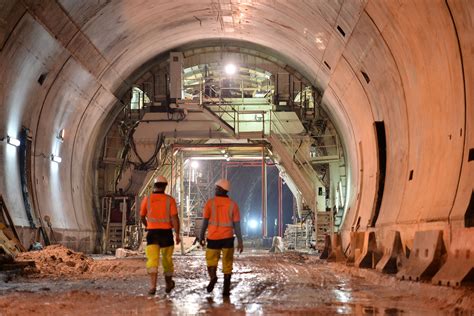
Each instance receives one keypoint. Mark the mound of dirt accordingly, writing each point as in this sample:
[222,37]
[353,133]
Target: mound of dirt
[295,257]
[57,260]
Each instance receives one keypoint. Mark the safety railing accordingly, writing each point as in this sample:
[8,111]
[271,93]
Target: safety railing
[326,149]
[242,114]
[293,145]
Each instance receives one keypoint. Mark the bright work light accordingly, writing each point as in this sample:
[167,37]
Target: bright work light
[253,224]
[230,69]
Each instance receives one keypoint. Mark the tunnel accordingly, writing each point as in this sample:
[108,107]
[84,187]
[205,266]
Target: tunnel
[392,79]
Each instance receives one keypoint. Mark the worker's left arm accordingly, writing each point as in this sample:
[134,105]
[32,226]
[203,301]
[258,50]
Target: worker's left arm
[237,230]
[205,223]
[175,221]
[143,211]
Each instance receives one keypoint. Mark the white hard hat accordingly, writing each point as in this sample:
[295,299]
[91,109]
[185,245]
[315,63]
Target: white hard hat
[161,179]
[223,183]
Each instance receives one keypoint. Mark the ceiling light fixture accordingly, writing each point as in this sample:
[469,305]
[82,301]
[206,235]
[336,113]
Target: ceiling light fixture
[13,141]
[56,159]
[60,135]
[230,69]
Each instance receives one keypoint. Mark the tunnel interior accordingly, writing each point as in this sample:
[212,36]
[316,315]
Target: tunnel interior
[391,79]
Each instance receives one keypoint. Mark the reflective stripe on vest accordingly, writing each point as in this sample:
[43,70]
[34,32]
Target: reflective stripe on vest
[213,220]
[167,219]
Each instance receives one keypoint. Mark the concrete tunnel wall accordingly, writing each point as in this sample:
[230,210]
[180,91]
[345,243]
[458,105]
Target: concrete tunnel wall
[418,56]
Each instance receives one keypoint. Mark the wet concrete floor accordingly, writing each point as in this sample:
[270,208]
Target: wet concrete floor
[263,284]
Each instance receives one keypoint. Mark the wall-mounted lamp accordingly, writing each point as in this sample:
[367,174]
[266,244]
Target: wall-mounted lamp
[13,141]
[56,159]
[60,135]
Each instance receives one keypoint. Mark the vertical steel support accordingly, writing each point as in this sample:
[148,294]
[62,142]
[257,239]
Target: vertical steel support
[181,198]
[264,194]
[173,172]
[188,199]
[280,206]
[222,170]
[124,209]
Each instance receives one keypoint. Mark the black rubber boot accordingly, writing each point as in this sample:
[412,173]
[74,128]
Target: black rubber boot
[212,271]
[169,284]
[226,291]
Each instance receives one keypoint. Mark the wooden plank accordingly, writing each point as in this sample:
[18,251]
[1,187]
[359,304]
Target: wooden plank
[10,224]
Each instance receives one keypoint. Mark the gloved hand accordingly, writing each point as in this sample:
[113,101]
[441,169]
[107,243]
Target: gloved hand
[202,242]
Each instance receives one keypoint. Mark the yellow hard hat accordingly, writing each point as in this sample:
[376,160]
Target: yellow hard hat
[223,183]
[161,179]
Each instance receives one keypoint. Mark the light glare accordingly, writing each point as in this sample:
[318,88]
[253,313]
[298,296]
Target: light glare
[230,69]
[253,224]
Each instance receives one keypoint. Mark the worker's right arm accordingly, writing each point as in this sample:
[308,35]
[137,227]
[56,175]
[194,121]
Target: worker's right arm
[175,221]
[238,233]
[237,230]
[143,211]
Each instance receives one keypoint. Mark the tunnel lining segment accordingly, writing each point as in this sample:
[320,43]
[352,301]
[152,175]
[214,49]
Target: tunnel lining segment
[465,109]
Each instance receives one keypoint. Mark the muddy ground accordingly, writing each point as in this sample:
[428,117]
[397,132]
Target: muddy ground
[263,283]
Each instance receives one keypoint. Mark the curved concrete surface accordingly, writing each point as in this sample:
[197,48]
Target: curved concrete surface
[417,57]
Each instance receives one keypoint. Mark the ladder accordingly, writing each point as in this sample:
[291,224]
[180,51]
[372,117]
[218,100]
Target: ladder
[323,228]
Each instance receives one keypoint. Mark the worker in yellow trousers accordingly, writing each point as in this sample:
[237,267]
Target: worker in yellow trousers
[159,214]
[222,218]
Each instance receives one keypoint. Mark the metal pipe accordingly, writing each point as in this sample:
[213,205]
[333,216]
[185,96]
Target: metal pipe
[206,146]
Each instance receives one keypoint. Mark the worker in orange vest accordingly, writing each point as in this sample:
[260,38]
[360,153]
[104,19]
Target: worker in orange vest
[159,215]
[222,218]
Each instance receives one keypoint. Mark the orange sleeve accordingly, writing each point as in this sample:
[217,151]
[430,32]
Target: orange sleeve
[174,209]
[207,210]
[143,207]
[236,215]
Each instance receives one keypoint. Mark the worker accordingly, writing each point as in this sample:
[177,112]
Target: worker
[159,214]
[222,217]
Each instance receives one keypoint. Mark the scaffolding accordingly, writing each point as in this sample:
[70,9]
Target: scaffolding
[199,179]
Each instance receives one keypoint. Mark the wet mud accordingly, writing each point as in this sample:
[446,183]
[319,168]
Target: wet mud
[262,284]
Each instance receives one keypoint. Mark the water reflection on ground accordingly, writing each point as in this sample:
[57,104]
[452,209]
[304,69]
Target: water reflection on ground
[262,284]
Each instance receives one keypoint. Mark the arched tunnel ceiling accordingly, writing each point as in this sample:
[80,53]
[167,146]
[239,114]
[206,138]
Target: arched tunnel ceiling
[219,51]
[66,61]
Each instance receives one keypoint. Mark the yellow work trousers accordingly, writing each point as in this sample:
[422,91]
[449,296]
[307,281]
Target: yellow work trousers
[153,258]
[213,255]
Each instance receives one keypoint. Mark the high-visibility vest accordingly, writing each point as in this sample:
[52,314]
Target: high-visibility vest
[152,216]
[216,220]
